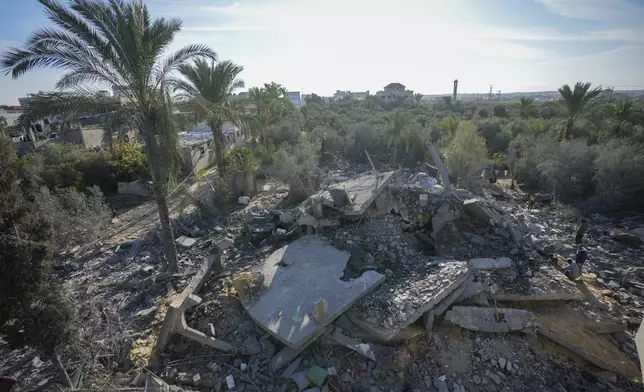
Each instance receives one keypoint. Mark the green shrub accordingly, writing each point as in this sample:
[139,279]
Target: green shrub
[466,152]
[297,166]
[240,159]
[130,162]
[619,176]
[500,111]
[332,142]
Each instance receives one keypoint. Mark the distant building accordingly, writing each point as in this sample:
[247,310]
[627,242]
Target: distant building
[295,98]
[394,92]
[237,97]
[350,94]
[122,94]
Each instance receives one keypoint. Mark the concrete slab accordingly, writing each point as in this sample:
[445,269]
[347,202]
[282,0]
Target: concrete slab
[639,342]
[185,242]
[545,284]
[489,263]
[294,278]
[362,191]
[479,209]
[489,319]
[404,299]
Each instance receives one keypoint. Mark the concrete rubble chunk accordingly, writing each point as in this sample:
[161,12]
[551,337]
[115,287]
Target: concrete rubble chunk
[417,292]
[361,191]
[185,242]
[293,278]
[489,263]
[478,209]
[625,237]
[470,291]
[489,319]
[639,342]
[545,284]
[363,349]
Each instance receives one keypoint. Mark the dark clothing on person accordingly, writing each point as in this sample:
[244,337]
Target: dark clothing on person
[581,232]
[581,256]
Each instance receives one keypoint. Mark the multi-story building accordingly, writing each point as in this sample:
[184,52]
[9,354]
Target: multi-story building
[122,94]
[394,92]
[295,98]
[350,94]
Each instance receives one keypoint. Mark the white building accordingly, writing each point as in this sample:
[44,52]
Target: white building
[394,92]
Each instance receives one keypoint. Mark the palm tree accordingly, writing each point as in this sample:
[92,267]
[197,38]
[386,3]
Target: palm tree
[269,101]
[209,86]
[3,125]
[525,105]
[622,112]
[117,43]
[449,125]
[398,133]
[418,98]
[576,101]
[68,106]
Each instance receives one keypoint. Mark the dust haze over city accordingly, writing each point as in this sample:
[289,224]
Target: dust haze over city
[313,195]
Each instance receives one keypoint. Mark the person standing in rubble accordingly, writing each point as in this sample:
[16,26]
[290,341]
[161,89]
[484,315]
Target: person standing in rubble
[581,256]
[581,231]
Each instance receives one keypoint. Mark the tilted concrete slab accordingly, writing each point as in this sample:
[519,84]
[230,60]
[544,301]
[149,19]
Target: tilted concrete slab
[639,342]
[545,284]
[490,319]
[362,192]
[294,278]
[489,263]
[396,305]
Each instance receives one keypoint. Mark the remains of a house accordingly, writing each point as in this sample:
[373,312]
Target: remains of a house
[382,281]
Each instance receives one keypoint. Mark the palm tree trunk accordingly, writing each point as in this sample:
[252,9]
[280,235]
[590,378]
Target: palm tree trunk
[160,181]
[218,137]
[169,248]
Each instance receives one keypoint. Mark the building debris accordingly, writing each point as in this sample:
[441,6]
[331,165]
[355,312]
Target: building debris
[294,278]
[353,197]
[185,242]
[490,263]
[545,284]
[490,319]
[363,349]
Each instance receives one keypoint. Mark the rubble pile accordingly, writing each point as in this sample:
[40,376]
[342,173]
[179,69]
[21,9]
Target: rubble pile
[390,281]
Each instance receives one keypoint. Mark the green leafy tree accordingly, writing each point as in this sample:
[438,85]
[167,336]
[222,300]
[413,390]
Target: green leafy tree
[526,106]
[3,125]
[576,101]
[622,112]
[210,87]
[118,43]
[398,133]
[449,125]
[466,152]
[418,98]
[269,102]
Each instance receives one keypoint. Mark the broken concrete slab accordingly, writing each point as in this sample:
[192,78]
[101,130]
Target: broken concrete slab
[408,298]
[639,343]
[478,209]
[489,263]
[294,278]
[363,349]
[452,297]
[490,320]
[361,191]
[185,242]
[470,291]
[566,331]
[545,284]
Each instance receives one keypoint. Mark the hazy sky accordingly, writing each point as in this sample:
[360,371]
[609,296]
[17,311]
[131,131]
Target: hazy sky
[324,45]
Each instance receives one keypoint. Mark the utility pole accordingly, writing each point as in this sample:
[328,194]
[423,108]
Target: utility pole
[490,96]
[499,94]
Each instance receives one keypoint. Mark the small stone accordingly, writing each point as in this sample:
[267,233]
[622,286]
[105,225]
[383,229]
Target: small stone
[502,363]
[267,347]
[252,345]
[196,379]
[316,375]
[509,367]
[211,330]
[185,242]
[476,379]
[226,243]
[495,378]
[493,362]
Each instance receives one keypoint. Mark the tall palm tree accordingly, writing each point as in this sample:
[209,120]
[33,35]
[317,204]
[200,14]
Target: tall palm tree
[525,105]
[209,86]
[576,101]
[622,112]
[3,125]
[269,101]
[117,43]
[398,133]
[418,98]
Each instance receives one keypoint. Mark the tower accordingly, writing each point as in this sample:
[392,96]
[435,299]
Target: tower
[455,90]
